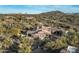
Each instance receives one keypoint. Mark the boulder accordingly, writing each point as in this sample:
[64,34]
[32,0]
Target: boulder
[72,49]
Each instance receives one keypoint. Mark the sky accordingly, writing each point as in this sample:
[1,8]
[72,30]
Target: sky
[35,9]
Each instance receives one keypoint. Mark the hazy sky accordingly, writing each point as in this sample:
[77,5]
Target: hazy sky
[34,9]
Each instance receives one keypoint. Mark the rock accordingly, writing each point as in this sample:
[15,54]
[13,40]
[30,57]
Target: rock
[58,33]
[72,49]
[15,39]
[63,51]
[38,50]
[55,35]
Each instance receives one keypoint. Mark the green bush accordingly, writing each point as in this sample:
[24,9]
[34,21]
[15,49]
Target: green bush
[5,44]
[25,45]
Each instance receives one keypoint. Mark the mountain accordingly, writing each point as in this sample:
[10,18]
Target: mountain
[53,12]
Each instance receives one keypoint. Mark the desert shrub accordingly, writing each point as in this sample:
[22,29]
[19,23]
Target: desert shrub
[15,31]
[58,43]
[5,44]
[25,45]
[74,39]
[2,30]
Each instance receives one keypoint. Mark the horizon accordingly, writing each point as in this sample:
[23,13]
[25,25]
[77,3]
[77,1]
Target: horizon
[37,9]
